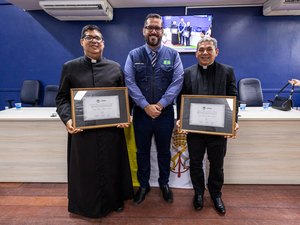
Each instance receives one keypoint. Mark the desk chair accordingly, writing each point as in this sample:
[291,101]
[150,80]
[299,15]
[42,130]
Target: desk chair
[30,93]
[250,92]
[50,95]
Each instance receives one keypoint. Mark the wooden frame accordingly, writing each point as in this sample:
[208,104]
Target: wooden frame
[99,107]
[208,114]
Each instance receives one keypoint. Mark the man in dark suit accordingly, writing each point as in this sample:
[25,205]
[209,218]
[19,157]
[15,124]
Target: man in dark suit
[208,77]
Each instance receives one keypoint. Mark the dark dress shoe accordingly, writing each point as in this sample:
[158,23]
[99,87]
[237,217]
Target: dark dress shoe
[198,201]
[167,193]
[219,205]
[139,196]
[120,208]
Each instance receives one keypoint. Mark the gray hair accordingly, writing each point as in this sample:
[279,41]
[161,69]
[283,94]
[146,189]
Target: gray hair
[208,38]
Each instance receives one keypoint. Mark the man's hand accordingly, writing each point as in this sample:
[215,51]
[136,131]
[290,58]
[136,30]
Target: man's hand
[178,126]
[235,131]
[123,125]
[153,110]
[295,82]
[71,129]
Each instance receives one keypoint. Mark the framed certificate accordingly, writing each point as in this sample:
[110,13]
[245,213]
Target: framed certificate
[99,107]
[208,114]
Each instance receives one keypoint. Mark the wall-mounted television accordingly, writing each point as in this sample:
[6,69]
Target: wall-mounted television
[182,33]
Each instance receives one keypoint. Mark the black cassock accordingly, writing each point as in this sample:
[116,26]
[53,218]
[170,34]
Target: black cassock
[99,177]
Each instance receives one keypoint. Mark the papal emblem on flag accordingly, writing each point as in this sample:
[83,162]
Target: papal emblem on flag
[180,162]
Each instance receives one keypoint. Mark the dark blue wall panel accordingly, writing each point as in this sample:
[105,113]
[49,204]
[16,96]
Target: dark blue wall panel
[34,45]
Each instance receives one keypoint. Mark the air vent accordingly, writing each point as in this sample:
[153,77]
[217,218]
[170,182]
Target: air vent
[78,10]
[281,8]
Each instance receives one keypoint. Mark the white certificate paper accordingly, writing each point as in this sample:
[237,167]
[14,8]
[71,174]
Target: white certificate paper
[212,115]
[101,107]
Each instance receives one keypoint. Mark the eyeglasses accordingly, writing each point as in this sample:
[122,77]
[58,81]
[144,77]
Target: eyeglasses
[91,38]
[152,28]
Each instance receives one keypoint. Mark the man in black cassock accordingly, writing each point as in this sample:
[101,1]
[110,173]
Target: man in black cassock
[208,77]
[99,178]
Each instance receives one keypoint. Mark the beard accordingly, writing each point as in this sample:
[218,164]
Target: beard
[153,40]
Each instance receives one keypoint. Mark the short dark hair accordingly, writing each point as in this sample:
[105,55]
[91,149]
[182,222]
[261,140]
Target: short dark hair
[152,15]
[89,27]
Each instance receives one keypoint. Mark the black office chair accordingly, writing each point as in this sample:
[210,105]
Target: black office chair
[30,93]
[250,92]
[50,95]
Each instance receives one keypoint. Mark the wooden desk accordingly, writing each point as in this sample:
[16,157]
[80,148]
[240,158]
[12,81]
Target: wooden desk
[267,149]
[32,146]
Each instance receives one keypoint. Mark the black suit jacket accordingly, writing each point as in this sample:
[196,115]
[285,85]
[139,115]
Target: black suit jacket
[225,82]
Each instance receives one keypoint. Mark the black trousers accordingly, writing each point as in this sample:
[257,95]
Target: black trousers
[144,128]
[216,150]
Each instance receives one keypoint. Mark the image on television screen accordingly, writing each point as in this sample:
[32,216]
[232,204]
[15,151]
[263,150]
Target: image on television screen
[182,33]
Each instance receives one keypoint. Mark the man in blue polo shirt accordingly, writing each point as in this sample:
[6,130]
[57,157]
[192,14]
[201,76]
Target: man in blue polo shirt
[154,77]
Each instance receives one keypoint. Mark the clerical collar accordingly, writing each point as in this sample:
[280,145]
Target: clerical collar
[205,67]
[91,60]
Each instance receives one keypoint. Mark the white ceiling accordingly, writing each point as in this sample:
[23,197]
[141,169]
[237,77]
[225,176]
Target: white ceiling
[34,4]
